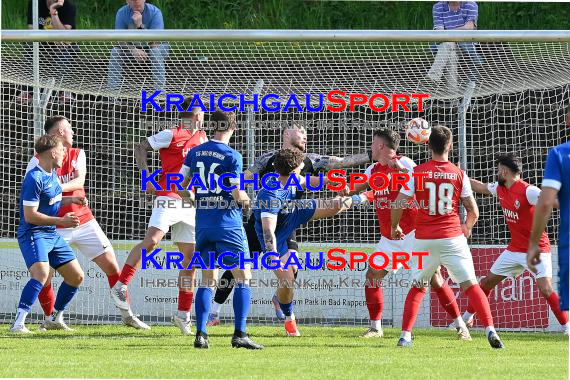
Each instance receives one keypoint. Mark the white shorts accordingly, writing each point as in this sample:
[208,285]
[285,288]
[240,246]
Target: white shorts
[88,238]
[172,214]
[452,253]
[388,246]
[512,264]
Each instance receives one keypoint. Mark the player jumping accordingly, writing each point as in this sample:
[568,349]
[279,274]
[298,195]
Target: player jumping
[173,145]
[276,221]
[384,146]
[41,246]
[88,237]
[518,200]
[440,233]
[294,136]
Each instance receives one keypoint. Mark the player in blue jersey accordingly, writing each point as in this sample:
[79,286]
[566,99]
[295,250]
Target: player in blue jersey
[41,245]
[219,229]
[276,218]
[555,184]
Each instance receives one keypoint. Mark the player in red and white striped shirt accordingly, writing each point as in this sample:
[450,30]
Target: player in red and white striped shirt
[440,233]
[88,237]
[173,145]
[517,199]
[385,143]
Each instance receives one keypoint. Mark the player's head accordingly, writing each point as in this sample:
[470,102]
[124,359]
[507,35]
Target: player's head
[194,113]
[223,122]
[567,117]
[60,126]
[508,166]
[440,140]
[295,135]
[385,143]
[50,148]
[288,160]
[136,5]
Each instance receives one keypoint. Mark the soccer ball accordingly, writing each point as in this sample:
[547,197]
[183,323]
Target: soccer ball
[418,131]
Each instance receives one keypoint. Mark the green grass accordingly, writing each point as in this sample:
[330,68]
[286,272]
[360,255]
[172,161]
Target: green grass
[299,14]
[322,352]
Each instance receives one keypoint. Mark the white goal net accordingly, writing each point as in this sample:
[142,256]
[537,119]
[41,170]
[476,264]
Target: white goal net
[497,98]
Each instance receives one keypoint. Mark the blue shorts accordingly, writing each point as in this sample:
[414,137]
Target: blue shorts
[45,247]
[219,240]
[563,263]
[289,224]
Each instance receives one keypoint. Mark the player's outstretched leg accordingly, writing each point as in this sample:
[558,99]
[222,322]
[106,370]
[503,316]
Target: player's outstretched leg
[185,291]
[447,301]
[222,294]
[72,278]
[241,304]
[411,309]
[374,302]
[547,291]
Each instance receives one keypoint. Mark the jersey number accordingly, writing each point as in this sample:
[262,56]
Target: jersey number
[206,177]
[442,195]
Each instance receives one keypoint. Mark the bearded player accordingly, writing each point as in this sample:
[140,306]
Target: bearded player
[518,200]
[168,212]
[294,136]
[88,237]
[439,232]
[384,146]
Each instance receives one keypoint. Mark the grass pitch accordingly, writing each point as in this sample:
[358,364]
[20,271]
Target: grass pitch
[322,352]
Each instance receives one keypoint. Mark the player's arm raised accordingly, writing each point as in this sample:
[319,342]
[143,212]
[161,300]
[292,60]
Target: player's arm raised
[333,162]
[482,188]
[326,208]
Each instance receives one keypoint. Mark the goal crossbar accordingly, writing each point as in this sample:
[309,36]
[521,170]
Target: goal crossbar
[288,35]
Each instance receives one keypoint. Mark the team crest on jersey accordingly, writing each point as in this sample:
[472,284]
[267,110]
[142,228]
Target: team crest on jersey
[517,204]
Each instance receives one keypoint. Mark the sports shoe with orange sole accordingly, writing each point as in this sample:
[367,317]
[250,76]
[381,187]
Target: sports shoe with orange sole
[291,328]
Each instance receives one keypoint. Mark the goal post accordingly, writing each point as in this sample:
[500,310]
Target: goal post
[506,93]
